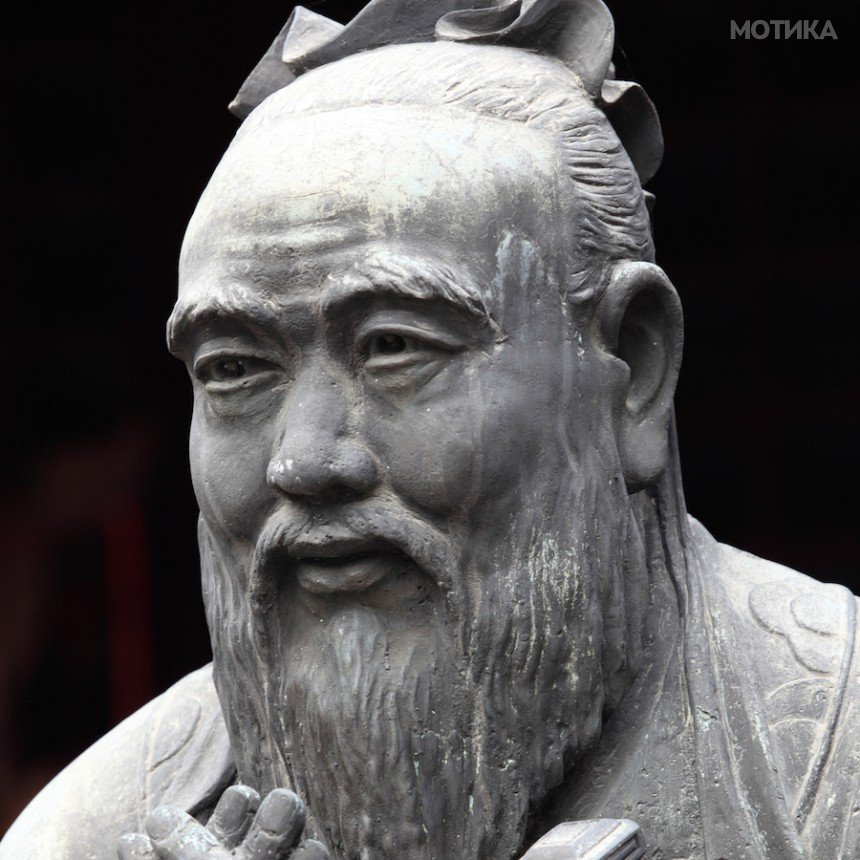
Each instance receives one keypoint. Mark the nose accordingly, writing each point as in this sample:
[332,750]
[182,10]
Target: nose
[317,457]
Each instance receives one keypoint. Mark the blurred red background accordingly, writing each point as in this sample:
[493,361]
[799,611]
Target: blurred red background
[117,116]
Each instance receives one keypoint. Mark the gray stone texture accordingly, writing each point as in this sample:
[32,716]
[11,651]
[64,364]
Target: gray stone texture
[456,602]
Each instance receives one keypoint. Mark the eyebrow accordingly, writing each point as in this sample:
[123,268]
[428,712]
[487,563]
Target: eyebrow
[191,314]
[392,276]
[401,276]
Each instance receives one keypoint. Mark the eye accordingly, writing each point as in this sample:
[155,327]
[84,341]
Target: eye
[390,347]
[224,371]
[391,350]
[388,344]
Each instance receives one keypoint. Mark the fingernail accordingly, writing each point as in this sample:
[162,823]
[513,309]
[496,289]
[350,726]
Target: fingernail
[134,846]
[281,809]
[162,821]
[311,850]
[248,799]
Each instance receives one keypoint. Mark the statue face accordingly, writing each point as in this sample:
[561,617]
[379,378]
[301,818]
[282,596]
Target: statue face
[401,447]
[373,317]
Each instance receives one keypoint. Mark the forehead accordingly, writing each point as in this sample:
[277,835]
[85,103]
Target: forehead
[297,187]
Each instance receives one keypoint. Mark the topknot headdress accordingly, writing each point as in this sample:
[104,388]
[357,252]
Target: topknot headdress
[580,33]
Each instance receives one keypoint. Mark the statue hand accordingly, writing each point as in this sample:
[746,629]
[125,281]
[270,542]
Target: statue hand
[237,830]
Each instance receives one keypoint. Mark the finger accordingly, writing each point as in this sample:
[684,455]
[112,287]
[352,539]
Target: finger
[177,836]
[135,846]
[276,827]
[311,850]
[233,814]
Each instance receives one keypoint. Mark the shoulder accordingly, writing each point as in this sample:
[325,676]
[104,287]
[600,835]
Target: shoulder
[796,625]
[800,641]
[173,750]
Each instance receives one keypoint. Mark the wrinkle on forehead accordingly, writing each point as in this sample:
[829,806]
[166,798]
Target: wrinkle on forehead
[302,195]
[384,163]
[254,255]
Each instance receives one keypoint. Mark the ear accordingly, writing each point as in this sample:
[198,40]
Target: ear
[641,326]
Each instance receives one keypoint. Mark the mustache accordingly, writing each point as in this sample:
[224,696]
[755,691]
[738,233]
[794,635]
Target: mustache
[291,534]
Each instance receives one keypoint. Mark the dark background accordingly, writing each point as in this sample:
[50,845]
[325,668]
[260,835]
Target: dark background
[116,116]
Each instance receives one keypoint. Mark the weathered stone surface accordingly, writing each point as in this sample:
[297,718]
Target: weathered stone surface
[456,602]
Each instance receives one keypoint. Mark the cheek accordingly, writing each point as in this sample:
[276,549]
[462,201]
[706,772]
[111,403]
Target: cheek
[228,471]
[426,447]
[519,442]
[468,440]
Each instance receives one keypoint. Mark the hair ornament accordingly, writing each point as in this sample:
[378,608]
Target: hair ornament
[579,33]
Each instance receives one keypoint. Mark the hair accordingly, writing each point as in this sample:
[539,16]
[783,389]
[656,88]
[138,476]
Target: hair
[613,222]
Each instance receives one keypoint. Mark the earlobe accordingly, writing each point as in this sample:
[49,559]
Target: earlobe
[641,325]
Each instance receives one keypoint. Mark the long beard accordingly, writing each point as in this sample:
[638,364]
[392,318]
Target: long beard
[442,748]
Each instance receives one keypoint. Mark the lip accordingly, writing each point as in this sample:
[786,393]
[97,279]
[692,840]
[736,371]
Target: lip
[344,564]
[348,573]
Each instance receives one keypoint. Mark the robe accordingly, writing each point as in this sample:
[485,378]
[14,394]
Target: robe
[742,744]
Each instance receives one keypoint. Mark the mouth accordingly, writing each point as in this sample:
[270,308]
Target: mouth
[343,565]
[348,573]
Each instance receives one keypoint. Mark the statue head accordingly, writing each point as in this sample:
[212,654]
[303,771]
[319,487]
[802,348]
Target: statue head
[433,367]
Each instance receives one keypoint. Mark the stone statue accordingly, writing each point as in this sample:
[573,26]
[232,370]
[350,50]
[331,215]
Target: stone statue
[456,603]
